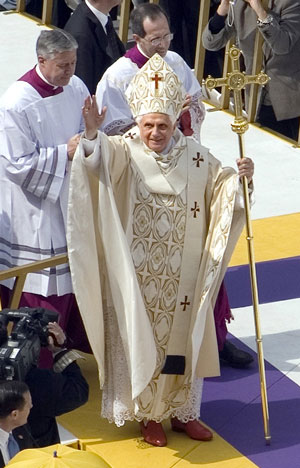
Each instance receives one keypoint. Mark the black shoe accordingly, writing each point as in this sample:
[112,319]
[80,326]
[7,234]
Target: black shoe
[234,357]
[2,8]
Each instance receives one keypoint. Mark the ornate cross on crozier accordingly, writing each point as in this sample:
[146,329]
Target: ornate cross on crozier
[237,80]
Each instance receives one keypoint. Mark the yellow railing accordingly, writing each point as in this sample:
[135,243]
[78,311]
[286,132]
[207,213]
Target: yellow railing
[46,11]
[20,273]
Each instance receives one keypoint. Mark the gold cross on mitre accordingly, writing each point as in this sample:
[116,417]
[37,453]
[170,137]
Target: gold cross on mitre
[156,88]
[236,81]
[156,78]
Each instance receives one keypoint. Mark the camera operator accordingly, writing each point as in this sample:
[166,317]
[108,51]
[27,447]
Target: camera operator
[52,392]
[55,391]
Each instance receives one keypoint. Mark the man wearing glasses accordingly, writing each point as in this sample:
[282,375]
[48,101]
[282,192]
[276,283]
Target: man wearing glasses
[151,32]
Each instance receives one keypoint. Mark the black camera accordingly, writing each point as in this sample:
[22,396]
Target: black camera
[21,349]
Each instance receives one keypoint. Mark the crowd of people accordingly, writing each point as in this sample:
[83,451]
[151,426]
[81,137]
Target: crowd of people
[279,26]
[239,20]
[278,104]
[101,158]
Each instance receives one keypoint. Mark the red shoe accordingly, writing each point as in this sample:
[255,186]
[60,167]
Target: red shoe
[193,429]
[154,434]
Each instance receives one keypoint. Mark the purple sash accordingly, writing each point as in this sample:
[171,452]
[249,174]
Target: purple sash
[43,88]
[136,56]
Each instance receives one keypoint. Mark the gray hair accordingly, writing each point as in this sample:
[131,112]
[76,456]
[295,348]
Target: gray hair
[53,42]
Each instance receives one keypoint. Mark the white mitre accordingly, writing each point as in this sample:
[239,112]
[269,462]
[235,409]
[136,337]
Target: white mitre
[156,88]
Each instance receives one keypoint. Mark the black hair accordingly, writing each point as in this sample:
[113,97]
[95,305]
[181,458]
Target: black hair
[12,396]
[143,11]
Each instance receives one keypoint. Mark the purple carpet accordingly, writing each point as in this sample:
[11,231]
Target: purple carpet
[277,280]
[231,405]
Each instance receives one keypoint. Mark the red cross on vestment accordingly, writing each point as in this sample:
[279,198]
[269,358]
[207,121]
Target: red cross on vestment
[130,135]
[185,303]
[195,209]
[198,159]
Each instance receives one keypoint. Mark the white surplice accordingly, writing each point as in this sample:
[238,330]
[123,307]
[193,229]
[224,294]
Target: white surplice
[34,132]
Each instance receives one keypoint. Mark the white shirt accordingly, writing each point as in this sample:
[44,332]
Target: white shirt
[142,52]
[3,445]
[100,16]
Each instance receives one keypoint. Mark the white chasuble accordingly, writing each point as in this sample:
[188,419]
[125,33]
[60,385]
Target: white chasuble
[176,211]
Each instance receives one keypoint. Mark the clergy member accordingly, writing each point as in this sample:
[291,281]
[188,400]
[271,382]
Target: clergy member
[151,32]
[40,121]
[152,222]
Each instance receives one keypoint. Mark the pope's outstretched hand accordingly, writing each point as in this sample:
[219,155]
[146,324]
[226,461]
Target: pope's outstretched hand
[91,116]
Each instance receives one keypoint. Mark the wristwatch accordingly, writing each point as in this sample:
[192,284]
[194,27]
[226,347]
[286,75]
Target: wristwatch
[266,21]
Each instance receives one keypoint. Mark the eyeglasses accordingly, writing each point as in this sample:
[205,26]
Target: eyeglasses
[155,42]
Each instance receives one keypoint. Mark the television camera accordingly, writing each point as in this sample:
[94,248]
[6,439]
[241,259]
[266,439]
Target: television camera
[20,350]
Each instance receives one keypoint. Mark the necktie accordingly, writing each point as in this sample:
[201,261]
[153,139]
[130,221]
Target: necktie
[113,47]
[12,446]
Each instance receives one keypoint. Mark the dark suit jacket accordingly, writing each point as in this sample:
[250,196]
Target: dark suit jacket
[24,439]
[53,394]
[92,56]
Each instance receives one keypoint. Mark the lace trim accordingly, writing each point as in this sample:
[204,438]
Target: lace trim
[116,395]
[189,412]
[117,405]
